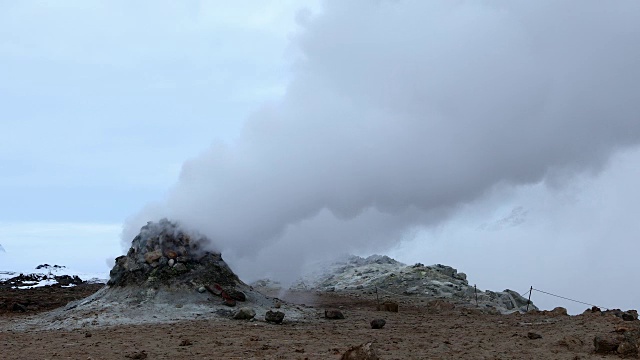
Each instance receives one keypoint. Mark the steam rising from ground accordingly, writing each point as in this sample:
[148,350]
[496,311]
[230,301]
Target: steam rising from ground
[399,112]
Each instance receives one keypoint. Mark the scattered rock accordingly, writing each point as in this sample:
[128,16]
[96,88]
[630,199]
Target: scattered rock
[333,314]
[229,302]
[235,294]
[388,306]
[244,313]
[202,289]
[87,334]
[629,315]
[137,355]
[171,262]
[572,342]
[361,352]
[180,267]
[152,256]
[378,323]
[533,336]
[607,343]
[274,316]
[185,342]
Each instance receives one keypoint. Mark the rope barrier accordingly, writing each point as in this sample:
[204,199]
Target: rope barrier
[566,298]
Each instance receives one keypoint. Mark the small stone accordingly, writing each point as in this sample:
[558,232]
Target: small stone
[171,262]
[163,261]
[274,316]
[533,336]
[361,352]
[185,342]
[378,323]
[137,355]
[244,313]
[87,334]
[333,314]
[202,289]
[180,267]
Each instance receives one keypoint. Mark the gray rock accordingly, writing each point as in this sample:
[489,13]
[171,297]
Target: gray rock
[274,316]
[202,289]
[180,267]
[245,313]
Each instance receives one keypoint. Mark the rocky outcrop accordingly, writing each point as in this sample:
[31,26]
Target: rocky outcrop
[163,254]
[393,279]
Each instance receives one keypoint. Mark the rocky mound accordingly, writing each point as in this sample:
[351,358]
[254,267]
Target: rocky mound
[167,275]
[163,255]
[394,279]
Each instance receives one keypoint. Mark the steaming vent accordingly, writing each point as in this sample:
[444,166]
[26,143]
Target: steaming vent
[164,255]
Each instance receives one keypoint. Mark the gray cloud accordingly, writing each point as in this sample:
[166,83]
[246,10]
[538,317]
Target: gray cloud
[399,112]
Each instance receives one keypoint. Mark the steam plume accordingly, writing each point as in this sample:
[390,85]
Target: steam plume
[400,111]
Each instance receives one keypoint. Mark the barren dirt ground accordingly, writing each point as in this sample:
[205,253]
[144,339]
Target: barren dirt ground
[415,332]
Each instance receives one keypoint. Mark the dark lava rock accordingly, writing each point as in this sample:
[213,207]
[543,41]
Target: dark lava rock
[164,240]
[377,323]
[18,307]
[274,316]
[333,314]
[533,336]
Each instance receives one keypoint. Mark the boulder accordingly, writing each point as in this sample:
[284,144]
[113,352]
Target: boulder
[152,256]
[235,294]
[361,352]
[388,306]
[607,343]
[275,317]
[244,313]
[378,323]
[333,314]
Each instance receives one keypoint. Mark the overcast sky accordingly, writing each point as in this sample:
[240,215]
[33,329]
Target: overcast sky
[498,137]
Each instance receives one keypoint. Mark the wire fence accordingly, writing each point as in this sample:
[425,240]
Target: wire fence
[566,298]
[528,293]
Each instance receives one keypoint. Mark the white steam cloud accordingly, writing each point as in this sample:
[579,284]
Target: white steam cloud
[398,112]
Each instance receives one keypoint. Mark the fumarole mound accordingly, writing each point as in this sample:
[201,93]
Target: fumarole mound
[163,255]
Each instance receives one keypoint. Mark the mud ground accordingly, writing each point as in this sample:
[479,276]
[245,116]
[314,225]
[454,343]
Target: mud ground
[415,332]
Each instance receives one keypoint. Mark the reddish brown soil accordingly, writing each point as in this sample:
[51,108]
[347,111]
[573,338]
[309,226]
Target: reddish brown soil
[413,333]
[42,298]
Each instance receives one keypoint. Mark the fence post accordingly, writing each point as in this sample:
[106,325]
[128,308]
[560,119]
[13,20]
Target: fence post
[529,300]
[475,289]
